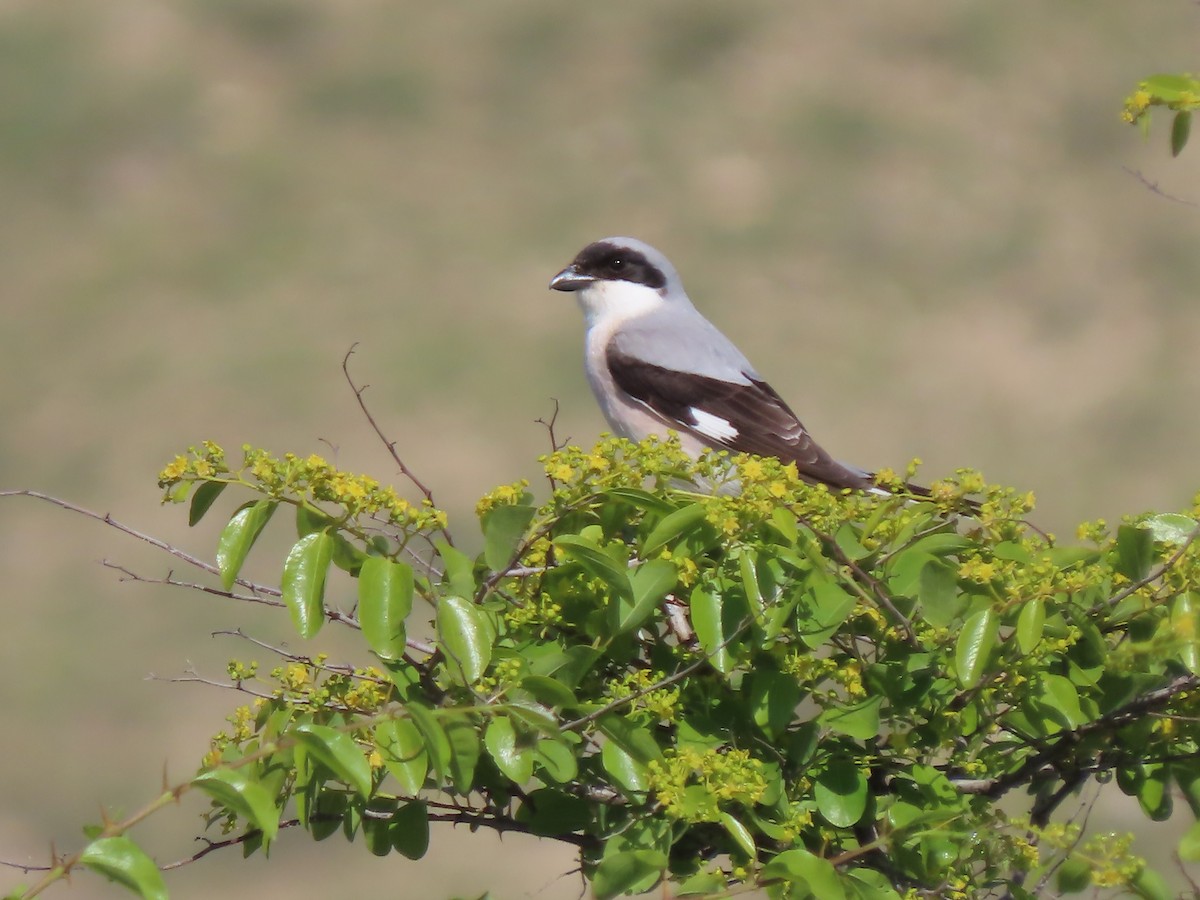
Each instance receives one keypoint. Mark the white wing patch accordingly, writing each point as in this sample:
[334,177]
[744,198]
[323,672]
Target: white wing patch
[712,426]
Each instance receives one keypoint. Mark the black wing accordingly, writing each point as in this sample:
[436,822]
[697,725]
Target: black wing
[745,418]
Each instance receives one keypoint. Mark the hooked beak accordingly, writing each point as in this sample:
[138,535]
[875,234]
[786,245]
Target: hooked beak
[570,279]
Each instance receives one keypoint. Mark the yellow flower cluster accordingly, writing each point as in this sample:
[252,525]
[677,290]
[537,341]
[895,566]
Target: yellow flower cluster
[659,704]
[299,481]
[693,785]
[505,495]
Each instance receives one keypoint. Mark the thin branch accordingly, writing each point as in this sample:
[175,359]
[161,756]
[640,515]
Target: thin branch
[390,444]
[1157,573]
[555,444]
[133,532]
[1152,187]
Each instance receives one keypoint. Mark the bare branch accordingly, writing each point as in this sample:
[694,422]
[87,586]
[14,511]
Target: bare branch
[1152,187]
[133,532]
[1158,573]
[390,444]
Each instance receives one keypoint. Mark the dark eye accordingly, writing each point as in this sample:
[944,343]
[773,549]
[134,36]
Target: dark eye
[616,264]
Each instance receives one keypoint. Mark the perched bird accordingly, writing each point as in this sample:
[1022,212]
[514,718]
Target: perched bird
[656,365]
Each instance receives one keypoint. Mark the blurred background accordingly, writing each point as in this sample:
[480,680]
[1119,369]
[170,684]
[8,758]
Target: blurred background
[915,217]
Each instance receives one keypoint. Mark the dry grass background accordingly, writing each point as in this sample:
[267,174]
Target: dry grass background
[912,215]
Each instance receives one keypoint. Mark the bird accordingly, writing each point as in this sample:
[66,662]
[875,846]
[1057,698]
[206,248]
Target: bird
[657,365]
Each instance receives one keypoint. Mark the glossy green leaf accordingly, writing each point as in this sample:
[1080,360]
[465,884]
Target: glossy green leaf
[631,871]
[937,590]
[433,736]
[1170,528]
[465,749]
[303,583]
[459,569]
[822,612]
[861,720]
[410,830]
[597,563]
[740,833]
[816,874]
[651,582]
[119,859]
[1135,551]
[203,500]
[1154,792]
[1181,128]
[974,646]
[503,529]
[715,623]
[338,752]
[1063,697]
[1030,622]
[673,526]
[400,743]
[556,759]
[239,536]
[1189,844]
[465,636]
[841,793]
[236,790]
[385,596]
[548,691]
[512,753]
[377,825]
[1185,623]
[1073,876]
[1150,885]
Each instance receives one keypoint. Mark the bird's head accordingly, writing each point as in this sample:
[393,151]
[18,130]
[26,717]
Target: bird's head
[620,276]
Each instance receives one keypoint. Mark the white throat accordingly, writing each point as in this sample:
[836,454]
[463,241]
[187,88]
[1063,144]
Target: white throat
[615,301]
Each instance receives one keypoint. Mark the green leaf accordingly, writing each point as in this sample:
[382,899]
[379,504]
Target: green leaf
[557,759]
[465,636]
[1186,626]
[937,590]
[974,645]
[503,529]
[651,582]
[1030,622]
[715,621]
[1149,884]
[628,872]
[1189,844]
[678,523]
[239,536]
[400,744]
[433,736]
[385,595]
[459,569]
[1135,552]
[822,611]
[203,500]
[465,750]
[1181,127]
[597,563]
[548,691]
[1154,792]
[841,793]
[410,830]
[859,721]
[236,791]
[376,829]
[119,859]
[741,835]
[303,583]
[1170,528]
[551,813]
[338,752]
[1074,875]
[816,874]
[512,754]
